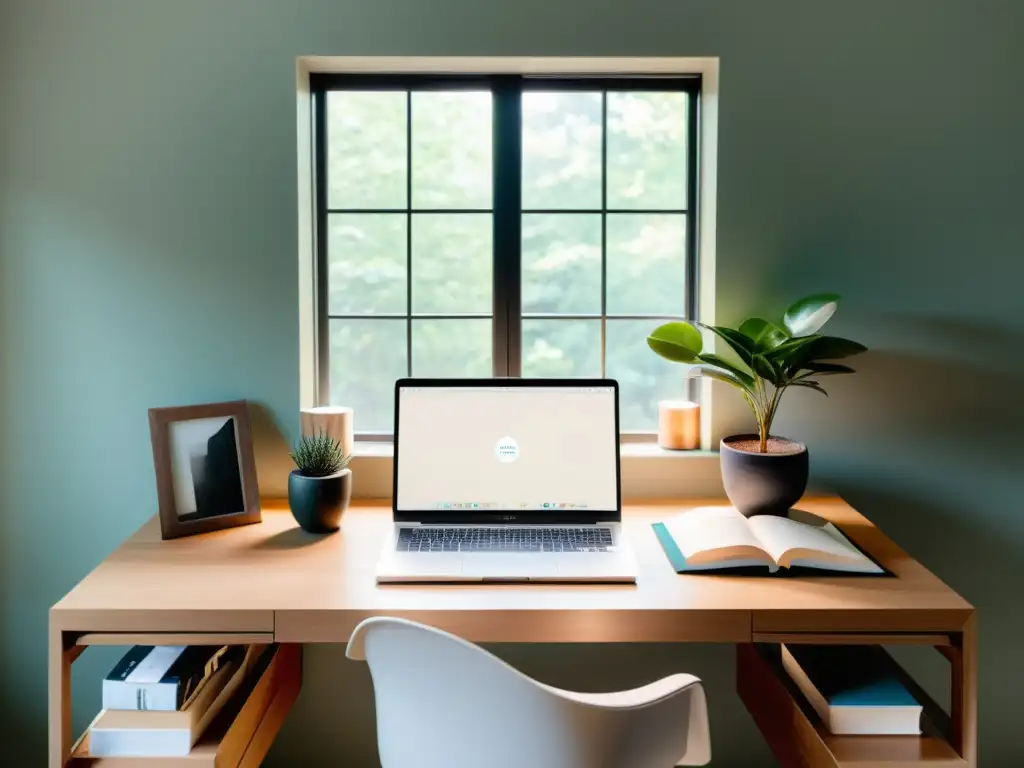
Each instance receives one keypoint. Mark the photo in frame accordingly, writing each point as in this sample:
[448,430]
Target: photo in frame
[205,468]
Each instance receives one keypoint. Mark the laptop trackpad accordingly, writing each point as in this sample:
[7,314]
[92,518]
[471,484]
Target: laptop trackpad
[599,565]
[426,566]
[512,566]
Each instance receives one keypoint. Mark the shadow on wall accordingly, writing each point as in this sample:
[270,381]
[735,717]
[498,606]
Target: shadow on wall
[273,463]
[23,732]
[937,406]
[952,381]
[929,389]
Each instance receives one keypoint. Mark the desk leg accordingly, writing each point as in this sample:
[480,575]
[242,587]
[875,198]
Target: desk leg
[964,696]
[61,655]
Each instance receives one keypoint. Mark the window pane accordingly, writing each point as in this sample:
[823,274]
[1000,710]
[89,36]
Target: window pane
[366,262]
[451,263]
[646,263]
[451,149]
[366,149]
[561,263]
[644,378]
[647,150]
[451,348]
[366,358]
[561,150]
[561,347]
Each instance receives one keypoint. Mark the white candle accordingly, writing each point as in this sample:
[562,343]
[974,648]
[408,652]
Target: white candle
[335,420]
[678,425]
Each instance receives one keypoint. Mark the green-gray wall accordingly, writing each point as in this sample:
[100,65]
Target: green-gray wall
[148,257]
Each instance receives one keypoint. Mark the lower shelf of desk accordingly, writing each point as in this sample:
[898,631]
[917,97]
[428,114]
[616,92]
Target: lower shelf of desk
[241,734]
[798,737]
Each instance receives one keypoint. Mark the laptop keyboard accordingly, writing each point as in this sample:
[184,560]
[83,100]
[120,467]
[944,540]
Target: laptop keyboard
[467,539]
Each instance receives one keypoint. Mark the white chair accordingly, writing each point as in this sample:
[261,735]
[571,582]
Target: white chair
[445,703]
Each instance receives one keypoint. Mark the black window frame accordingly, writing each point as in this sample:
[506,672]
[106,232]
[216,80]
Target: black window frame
[506,206]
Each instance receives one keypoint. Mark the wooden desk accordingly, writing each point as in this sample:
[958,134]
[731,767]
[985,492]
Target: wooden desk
[273,583]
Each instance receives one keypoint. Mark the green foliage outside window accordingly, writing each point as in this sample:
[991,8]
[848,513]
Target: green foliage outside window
[452,252]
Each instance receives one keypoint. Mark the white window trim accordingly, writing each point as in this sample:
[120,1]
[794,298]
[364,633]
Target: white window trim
[707,182]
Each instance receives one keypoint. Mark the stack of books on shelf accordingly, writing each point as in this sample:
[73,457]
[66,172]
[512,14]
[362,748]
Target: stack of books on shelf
[158,700]
[855,689]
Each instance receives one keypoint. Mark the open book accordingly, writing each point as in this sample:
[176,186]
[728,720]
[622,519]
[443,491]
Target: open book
[712,538]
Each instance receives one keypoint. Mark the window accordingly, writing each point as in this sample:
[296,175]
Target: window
[502,225]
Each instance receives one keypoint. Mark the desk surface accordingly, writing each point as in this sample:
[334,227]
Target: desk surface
[275,578]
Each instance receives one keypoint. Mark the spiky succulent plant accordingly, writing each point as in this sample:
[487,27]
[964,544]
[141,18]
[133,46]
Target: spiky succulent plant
[319,455]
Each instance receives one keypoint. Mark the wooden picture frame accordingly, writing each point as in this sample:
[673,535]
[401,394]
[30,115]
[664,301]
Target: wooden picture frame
[202,485]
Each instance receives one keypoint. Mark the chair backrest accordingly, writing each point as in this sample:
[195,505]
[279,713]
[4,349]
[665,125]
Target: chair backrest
[442,701]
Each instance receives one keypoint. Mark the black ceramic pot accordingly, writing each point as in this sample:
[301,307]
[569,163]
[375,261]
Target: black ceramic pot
[763,483]
[317,503]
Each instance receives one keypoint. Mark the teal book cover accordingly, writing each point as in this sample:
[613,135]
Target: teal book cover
[679,564]
[669,545]
[852,675]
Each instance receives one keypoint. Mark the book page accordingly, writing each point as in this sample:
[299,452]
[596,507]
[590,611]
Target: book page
[792,543]
[715,534]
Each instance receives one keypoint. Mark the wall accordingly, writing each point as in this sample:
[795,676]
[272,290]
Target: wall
[147,257]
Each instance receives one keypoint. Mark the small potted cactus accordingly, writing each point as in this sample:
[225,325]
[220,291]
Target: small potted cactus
[320,488]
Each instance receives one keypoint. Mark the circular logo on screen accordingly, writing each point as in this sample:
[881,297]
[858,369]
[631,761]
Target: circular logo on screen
[507,450]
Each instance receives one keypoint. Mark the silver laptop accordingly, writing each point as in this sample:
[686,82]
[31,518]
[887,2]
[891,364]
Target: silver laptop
[506,480]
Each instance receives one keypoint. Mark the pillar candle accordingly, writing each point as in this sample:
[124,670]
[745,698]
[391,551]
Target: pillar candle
[678,425]
[335,420]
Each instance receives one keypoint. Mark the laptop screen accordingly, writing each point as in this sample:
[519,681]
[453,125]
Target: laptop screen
[493,448]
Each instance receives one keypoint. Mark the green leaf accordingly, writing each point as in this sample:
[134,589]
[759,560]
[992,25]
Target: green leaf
[766,369]
[746,378]
[826,369]
[739,343]
[789,355]
[831,348]
[796,354]
[765,335]
[752,328]
[789,347]
[678,342]
[771,337]
[719,374]
[810,385]
[810,313]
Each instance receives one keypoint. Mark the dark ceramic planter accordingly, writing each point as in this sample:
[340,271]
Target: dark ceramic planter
[317,503]
[763,483]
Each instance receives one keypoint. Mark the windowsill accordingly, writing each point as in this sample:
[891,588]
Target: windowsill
[385,449]
[648,471]
[655,451]
[375,449]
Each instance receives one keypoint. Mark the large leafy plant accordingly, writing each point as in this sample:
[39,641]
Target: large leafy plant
[771,358]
